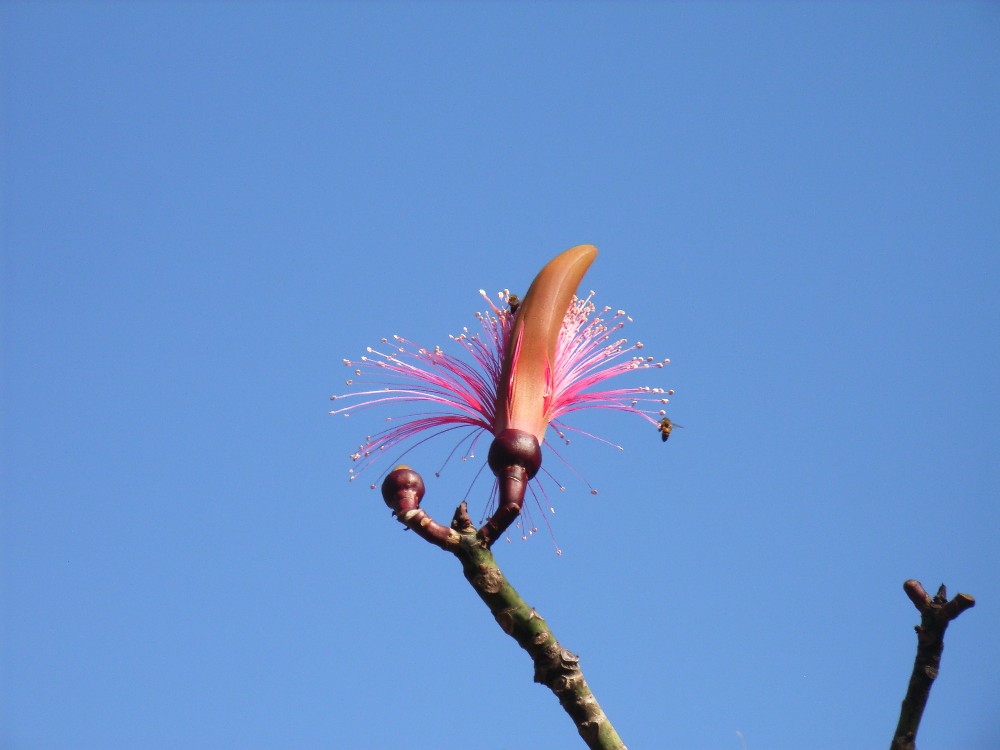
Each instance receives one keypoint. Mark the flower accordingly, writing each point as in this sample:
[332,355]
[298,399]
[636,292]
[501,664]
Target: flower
[531,364]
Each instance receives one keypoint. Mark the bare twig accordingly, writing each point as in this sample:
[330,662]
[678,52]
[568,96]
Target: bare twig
[935,614]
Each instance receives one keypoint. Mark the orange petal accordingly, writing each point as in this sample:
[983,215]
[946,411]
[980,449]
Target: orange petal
[525,391]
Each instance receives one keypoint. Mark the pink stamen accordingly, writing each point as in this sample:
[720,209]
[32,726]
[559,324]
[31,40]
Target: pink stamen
[452,393]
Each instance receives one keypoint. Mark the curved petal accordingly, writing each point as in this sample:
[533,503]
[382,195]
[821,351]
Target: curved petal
[525,392]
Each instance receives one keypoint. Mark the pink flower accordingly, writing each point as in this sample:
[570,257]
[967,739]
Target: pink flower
[527,367]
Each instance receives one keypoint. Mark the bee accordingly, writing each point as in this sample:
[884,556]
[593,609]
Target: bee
[665,427]
[514,302]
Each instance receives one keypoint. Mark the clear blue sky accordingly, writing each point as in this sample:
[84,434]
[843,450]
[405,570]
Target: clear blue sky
[207,207]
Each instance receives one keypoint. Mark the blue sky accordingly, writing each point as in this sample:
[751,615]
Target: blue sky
[207,207]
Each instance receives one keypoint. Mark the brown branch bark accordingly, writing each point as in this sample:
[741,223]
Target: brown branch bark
[935,614]
[555,667]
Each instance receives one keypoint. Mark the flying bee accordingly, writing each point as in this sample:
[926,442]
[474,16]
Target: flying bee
[665,427]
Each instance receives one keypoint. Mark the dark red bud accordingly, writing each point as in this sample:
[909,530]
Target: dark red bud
[403,489]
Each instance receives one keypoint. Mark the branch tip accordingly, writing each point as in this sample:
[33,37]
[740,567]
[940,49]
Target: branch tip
[942,595]
[920,598]
[958,605]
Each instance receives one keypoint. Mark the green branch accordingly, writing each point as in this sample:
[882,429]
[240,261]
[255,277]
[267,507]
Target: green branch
[555,667]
